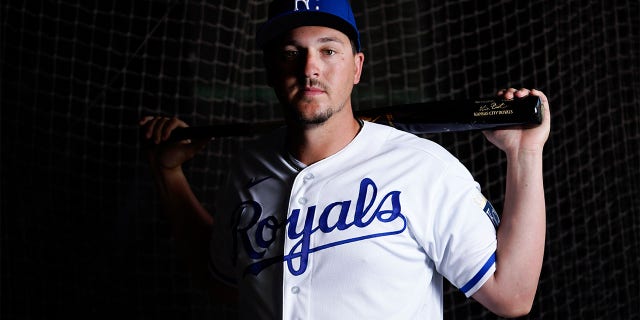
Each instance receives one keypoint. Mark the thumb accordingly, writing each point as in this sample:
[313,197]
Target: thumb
[191,147]
[180,153]
[198,145]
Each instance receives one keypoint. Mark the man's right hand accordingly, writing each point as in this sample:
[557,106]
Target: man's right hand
[164,154]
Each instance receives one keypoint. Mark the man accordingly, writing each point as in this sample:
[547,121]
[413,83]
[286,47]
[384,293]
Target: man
[334,218]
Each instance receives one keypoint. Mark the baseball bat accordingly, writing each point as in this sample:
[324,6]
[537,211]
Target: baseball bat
[417,118]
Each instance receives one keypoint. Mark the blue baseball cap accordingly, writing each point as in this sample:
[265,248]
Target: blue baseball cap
[285,15]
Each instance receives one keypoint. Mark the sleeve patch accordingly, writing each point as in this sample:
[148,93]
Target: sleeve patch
[492,214]
[488,209]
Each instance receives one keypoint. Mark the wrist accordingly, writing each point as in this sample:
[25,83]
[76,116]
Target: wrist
[524,166]
[524,153]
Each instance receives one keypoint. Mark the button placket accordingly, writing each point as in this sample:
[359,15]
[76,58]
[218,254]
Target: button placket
[295,288]
[306,179]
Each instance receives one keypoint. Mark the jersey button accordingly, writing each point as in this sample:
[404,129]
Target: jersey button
[308,177]
[302,200]
[295,290]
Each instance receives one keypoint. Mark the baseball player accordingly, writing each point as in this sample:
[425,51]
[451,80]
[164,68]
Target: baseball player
[334,218]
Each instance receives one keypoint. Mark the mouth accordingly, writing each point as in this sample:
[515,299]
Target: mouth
[308,90]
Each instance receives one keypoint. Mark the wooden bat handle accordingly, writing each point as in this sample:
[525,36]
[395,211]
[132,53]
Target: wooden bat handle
[417,118]
[224,130]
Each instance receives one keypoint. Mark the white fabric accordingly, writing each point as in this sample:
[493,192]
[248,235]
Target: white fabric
[367,233]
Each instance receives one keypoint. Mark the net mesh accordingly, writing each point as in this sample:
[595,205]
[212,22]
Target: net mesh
[81,229]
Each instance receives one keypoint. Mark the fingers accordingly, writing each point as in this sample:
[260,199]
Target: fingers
[512,93]
[159,128]
[542,96]
[546,118]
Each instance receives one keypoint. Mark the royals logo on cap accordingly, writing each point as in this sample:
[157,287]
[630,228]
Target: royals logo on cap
[285,15]
[315,4]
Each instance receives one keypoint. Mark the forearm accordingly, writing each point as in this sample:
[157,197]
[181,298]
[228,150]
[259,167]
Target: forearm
[521,234]
[192,225]
[521,237]
[190,221]
[179,202]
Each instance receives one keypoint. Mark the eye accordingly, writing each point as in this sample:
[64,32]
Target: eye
[290,54]
[329,52]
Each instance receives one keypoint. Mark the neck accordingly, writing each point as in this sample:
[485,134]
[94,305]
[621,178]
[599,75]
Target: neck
[312,143]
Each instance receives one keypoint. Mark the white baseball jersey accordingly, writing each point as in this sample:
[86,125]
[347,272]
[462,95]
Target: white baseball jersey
[367,233]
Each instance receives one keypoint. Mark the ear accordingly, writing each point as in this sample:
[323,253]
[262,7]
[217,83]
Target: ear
[359,62]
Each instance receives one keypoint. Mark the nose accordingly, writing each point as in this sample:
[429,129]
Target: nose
[311,65]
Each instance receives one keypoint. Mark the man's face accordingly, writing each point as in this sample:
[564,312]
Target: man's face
[313,70]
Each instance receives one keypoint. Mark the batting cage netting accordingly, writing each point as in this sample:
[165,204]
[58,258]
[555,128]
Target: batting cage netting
[82,231]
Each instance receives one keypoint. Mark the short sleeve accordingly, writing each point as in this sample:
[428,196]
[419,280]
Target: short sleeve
[464,231]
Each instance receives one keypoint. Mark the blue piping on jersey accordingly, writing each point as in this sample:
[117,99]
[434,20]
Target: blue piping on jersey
[480,274]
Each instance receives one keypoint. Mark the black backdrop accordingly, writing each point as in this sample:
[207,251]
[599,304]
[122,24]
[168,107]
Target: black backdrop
[81,231]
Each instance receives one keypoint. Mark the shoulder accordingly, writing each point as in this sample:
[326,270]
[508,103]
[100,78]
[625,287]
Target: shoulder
[263,155]
[407,144]
[265,147]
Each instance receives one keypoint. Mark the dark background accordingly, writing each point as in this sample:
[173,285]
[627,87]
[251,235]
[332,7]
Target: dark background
[81,231]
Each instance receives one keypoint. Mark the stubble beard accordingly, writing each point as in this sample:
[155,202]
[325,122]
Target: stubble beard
[317,118]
